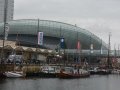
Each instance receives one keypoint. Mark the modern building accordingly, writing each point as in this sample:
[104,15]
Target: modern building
[25,33]
[10,10]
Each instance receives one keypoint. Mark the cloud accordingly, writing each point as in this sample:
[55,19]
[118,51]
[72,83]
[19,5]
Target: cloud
[98,16]
[68,8]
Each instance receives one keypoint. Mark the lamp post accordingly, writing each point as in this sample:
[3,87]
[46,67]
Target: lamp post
[5,23]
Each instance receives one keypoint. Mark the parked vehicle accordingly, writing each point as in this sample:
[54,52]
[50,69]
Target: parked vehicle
[17,59]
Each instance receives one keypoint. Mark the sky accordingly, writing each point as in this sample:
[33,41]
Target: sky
[100,17]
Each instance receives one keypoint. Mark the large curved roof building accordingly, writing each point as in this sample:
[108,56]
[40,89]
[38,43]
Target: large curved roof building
[25,32]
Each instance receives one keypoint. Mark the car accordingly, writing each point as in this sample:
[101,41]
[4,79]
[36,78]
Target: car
[15,59]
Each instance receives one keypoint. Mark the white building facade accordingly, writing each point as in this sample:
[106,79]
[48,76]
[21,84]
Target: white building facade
[10,10]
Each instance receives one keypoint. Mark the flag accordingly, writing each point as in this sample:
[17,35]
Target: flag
[78,45]
[91,48]
[40,38]
[62,43]
[101,51]
[6,30]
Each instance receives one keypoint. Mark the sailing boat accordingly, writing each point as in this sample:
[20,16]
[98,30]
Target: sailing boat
[73,72]
[14,73]
[2,75]
[2,52]
[5,34]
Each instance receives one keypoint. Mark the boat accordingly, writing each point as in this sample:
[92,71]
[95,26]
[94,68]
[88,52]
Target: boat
[45,72]
[2,75]
[93,70]
[49,71]
[115,71]
[103,72]
[70,73]
[14,74]
[99,71]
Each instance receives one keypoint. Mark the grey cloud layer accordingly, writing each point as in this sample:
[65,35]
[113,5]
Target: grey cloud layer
[98,16]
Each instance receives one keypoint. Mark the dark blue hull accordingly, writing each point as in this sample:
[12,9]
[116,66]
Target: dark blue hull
[41,75]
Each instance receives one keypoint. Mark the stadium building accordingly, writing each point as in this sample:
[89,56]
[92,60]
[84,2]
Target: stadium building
[25,33]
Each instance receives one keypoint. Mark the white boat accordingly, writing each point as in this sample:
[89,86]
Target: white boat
[115,71]
[14,74]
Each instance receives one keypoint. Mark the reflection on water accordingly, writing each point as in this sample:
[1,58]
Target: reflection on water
[110,82]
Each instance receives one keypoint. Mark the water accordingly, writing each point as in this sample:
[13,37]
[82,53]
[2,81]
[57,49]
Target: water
[97,82]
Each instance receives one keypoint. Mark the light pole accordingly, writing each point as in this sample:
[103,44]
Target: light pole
[5,22]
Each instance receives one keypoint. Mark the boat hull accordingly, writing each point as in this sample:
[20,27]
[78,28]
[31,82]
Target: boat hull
[71,76]
[41,75]
[2,76]
[13,74]
[115,72]
[103,72]
[93,72]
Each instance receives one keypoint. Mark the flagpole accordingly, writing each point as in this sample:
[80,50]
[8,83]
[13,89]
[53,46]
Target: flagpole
[64,51]
[109,51]
[90,51]
[62,46]
[115,51]
[118,50]
[77,50]
[59,45]
[37,38]
[101,52]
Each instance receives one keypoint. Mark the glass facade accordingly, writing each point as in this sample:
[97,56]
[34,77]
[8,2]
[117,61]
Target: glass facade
[27,29]
[10,10]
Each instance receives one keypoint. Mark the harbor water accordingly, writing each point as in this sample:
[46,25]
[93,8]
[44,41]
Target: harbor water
[95,82]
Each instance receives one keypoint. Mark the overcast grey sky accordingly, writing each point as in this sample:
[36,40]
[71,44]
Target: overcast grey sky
[98,16]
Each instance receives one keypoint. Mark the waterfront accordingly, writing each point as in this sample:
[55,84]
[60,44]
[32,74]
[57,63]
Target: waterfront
[95,82]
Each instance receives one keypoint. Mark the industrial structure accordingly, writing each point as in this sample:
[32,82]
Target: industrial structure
[10,9]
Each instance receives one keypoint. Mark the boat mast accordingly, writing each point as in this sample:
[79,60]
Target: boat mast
[90,51]
[118,50]
[59,46]
[78,49]
[115,54]
[108,61]
[5,22]
[101,51]
[37,38]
